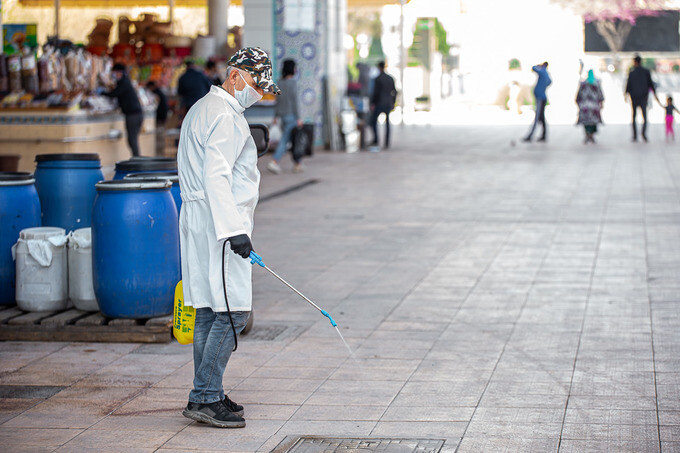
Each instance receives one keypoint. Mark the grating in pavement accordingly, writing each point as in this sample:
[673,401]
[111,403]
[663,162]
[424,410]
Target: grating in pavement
[29,391]
[274,332]
[315,444]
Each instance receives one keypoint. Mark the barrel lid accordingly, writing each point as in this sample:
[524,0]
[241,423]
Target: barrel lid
[41,233]
[147,164]
[15,178]
[67,156]
[155,176]
[131,184]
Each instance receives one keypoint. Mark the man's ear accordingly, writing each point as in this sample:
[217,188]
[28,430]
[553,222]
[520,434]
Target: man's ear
[234,77]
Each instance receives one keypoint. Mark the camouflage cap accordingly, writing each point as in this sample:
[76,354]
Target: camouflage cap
[256,62]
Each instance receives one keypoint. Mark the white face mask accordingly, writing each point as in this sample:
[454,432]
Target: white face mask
[248,95]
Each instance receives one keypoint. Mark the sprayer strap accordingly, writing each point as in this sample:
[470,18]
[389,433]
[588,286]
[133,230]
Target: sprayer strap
[226,300]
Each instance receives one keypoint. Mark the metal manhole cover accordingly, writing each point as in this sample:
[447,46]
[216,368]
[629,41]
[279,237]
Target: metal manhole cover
[315,444]
[273,332]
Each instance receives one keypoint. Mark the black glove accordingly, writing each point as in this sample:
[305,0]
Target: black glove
[241,245]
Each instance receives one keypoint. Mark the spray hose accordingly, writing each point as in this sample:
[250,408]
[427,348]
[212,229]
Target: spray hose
[257,259]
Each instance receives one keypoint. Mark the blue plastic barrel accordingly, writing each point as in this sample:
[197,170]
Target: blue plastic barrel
[161,176]
[135,248]
[65,184]
[145,165]
[19,209]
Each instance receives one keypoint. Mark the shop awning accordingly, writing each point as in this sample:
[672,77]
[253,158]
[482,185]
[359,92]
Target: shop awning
[178,3]
[117,3]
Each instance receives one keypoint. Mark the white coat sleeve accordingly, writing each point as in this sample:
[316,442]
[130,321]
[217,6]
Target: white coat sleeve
[222,146]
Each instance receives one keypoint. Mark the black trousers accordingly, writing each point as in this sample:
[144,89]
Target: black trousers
[133,124]
[539,118]
[640,103]
[374,124]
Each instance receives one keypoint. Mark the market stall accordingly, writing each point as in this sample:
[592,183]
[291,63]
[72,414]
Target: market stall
[52,97]
[31,132]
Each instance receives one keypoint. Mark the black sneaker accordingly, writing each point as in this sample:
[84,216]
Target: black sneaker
[232,406]
[215,414]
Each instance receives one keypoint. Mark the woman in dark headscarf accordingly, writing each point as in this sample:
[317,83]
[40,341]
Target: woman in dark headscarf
[589,100]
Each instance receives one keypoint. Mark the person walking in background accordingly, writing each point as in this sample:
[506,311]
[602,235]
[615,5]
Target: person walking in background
[212,73]
[161,115]
[638,86]
[670,108]
[542,85]
[383,99]
[129,104]
[286,110]
[589,100]
[192,86]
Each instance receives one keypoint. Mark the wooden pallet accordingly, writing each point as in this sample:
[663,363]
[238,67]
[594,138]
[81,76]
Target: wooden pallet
[77,325]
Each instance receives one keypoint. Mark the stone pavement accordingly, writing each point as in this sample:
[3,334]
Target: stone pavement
[498,297]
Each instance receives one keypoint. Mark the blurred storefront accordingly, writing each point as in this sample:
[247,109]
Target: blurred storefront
[153,37]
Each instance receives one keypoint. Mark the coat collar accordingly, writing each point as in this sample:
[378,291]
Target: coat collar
[231,100]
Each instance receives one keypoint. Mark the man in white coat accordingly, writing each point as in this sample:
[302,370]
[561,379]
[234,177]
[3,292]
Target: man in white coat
[219,182]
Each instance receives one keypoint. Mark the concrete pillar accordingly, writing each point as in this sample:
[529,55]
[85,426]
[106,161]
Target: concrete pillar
[218,25]
[258,29]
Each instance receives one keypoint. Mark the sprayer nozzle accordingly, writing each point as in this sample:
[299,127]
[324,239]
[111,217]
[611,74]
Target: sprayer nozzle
[327,315]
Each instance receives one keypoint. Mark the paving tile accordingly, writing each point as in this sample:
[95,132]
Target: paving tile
[487,415]
[603,402]
[63,413]
[94,438]
[269,411]
[611,416]
[427,430]
[670,447]
[428,413]
[324,428]
[627,446]
[513,430]
[145,422]
[610,432]
[669,433]
[500,445]
[279,384]
[330,412]
[16,438]
[11,407]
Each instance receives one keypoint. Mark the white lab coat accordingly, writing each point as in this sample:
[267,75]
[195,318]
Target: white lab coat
[219,183]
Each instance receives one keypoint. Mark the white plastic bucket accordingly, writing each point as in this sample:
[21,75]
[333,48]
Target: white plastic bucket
[42,269]
[80,286]
[204,47]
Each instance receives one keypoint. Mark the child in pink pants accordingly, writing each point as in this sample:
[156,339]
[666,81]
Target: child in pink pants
[669,118]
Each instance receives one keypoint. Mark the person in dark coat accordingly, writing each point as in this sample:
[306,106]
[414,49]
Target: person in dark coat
[161,115]
[382,101]
[638,87]
[192,86]
[129,104]
[212,73]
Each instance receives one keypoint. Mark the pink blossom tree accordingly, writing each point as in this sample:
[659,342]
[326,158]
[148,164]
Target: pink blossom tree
[614,19]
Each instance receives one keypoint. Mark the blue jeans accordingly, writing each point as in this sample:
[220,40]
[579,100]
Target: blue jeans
[288,123]
[213,343]
[539,118]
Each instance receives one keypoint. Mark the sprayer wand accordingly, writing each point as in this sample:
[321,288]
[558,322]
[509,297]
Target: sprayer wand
[257,259]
